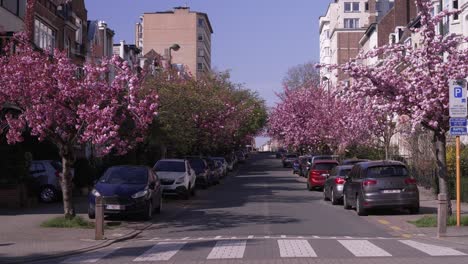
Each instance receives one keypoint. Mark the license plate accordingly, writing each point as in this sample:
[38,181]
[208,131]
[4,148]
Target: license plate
[391,191]
[115,207]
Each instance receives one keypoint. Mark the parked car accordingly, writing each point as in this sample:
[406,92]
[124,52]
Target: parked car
[219,168]
[231,162]
[240,156]
[279,153]
[380,184]
[176,176]
[352,161]
[214,176]
[47,174]
[323,157]
[304,165]
[318,172]
[296,166]
[333,187]
[289,159]
[224,165]
[202,171]
[127,190]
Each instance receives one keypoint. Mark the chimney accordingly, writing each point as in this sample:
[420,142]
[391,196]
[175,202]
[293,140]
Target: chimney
[122,49]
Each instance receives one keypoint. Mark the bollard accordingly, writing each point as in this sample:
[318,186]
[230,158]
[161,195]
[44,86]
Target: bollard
[99,225]
[442,215]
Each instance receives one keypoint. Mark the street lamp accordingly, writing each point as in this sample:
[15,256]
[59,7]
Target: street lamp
[174,47]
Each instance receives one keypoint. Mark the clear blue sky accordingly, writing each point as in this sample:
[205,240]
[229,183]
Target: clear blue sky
[258,40]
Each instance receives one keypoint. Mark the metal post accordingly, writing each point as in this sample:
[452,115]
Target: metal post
[442,215]
[458,182]
[99,225]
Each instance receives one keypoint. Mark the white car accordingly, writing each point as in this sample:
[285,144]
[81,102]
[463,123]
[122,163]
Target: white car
[48,173]
[176,176]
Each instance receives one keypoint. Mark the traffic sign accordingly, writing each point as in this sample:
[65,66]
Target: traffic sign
[458,131]
[457,98]
[458,122]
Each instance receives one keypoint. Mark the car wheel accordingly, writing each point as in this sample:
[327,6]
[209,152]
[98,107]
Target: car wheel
[193,191]
[48,194]
[309,187]
[359,209]
[325,198]
[159,208]
[91,213]
[148,214]
[345,202]
[333,199]
[186,193]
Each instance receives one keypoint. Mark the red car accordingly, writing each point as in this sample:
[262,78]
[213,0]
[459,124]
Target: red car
[319,172]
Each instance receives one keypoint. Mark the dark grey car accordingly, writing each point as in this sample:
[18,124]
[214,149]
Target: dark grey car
[333,188]
[380,184]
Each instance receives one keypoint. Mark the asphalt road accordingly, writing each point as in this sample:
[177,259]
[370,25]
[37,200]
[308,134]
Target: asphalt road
[264,214]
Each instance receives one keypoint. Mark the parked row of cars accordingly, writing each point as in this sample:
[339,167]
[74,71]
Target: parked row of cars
[360,184]
[139,189]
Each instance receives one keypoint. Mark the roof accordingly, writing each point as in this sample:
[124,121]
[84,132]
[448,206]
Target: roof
[192,12]
[344,167]
[325,161]
[378,163]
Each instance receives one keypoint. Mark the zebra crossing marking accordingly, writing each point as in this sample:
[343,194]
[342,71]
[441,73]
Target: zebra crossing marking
[364,248]
[432,250]
[296,249]
[161,251]
[228,249]
[89,257]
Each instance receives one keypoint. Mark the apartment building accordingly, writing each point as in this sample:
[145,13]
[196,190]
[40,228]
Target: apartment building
[56,25]
[341,29]
[390,29]
[128,52]
[190,30]
[100,40]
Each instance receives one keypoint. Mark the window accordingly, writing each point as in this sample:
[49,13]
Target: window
[44,36]
[201,22]
[351,23]
[201,53]
[200,37]
[326,33]
[455,6]
[351,6]
[200,66]
[366,6]
[79,31]
[17,7]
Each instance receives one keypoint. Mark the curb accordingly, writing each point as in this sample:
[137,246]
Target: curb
[103,244]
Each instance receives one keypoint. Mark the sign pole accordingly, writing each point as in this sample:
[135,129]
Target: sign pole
[458,181]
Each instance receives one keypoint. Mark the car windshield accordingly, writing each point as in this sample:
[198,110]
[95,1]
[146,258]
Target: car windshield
[198,165]
[387,171]
[175,166]
[324,166]
[125,175]
[343,172]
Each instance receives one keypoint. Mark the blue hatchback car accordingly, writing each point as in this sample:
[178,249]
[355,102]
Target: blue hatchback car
[128,190]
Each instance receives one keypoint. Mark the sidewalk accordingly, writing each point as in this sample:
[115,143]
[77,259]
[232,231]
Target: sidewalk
[397,223]
[22,238]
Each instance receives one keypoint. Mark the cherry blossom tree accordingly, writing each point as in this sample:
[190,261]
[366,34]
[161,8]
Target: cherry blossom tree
[58,105]
[412,80]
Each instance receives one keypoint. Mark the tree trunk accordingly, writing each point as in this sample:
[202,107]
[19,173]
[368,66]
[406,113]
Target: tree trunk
[68,158]
[440,149]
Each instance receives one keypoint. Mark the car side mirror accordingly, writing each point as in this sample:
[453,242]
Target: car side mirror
[152,185]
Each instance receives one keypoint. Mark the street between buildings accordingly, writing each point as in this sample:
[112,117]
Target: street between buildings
[264,214]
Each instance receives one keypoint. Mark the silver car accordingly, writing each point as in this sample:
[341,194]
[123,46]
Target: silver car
[333,188]
[380,184]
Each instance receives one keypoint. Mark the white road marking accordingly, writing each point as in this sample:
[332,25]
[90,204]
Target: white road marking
[200,238]
[432,250]
[250,237]
[233,237]
[364,248]
[228,249]
[348,237]
[185,238]
[316,237]
[283,236]
[267,236]
[218,237]
[161,251]
[300,237]
[90,257]
[295,249]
